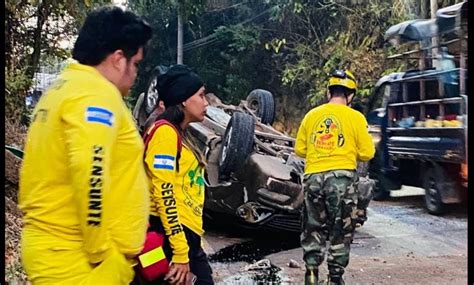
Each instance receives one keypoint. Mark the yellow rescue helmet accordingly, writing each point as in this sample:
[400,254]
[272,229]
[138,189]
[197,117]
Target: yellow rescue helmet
[343,78]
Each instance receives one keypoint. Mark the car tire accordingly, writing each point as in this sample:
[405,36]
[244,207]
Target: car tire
[261,102]
[139,112]
[237,143]
[435,179]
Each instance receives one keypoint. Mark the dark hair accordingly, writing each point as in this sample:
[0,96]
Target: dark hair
[108,29]
[175,116]
[340,91]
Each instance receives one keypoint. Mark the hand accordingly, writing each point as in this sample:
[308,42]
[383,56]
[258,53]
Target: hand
[177,273]
[130,256]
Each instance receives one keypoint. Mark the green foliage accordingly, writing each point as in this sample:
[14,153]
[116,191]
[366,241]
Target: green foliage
[275,44]
[286,46]
[241,38]
[162,17]
[16,86]
[34,30]
[229,61]
[333,36]
[235,88]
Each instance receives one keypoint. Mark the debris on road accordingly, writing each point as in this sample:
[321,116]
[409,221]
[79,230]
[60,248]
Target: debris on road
[294,264]
[259,265]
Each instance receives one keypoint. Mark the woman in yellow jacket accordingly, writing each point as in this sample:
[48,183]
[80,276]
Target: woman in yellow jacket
[177,194]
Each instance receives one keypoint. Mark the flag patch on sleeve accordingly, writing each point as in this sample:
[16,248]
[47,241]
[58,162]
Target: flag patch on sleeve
[99,115]
[163,161]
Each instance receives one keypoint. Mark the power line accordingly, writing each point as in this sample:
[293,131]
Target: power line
[201,45]
[228,7]
[213,37]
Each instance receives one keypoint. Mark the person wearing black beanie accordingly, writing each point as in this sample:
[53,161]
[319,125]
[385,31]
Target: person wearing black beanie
[177,84]
[176,170]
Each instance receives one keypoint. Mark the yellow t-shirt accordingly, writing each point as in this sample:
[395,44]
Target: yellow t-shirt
[333,136]
[83,181]
[176,197]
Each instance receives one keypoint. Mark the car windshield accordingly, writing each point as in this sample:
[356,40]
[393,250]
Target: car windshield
[218,115]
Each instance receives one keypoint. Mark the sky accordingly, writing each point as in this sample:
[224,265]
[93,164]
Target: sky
[121,3]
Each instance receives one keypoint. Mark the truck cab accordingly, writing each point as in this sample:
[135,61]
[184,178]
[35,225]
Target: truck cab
[418,117]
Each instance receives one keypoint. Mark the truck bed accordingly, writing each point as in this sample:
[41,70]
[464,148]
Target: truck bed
[436,144]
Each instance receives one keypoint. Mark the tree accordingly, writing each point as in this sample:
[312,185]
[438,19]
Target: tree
[286,46]
[34,29]
[162,16]
[343,36]
[220,44]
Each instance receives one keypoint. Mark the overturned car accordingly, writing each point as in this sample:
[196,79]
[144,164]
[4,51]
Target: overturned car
[252,172]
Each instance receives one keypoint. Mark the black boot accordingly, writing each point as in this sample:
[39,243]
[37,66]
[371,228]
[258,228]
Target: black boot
[311,276]
[361,217]
[335,280]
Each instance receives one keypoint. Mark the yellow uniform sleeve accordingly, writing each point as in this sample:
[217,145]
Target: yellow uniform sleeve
[301,137]
[365,145]
[91,123]
[160,159]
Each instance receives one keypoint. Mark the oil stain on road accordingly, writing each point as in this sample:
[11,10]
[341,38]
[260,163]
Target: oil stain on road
[249,252]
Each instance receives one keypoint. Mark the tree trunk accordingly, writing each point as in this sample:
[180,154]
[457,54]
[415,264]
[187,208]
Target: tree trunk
[42,15]
[424,5]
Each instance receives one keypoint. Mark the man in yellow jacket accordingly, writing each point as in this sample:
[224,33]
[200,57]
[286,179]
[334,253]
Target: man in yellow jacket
[83,186]
[332,138]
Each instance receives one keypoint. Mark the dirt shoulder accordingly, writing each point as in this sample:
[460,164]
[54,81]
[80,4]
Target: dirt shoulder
[386,270]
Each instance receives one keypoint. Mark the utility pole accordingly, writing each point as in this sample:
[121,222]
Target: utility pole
[435,40]
[179,59]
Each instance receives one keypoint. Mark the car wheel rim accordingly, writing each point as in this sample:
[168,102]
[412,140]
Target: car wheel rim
[253,106]
[152,87]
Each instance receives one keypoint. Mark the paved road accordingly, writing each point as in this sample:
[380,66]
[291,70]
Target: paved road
[400,244]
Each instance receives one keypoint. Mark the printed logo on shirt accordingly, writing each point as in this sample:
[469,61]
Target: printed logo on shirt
[163,161]
[195,189]
[96,179]
[171,211]
[327,135]
[99,115]
[196,176]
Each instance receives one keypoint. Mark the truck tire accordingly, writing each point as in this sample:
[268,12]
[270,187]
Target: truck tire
[380,192]
[435,178]
[237,143]
[262,104]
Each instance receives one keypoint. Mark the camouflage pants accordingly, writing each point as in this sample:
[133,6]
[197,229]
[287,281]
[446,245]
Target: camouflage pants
[329,215]
[364,189]
[364,185]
